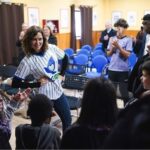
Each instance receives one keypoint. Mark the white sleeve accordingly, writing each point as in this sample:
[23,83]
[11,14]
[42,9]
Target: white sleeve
[59,52]
[23,69]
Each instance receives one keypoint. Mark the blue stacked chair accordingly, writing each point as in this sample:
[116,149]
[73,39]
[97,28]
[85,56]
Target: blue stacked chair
[98,63]
[132,60]
[84,51]
[99,45]
[98,48]
[88,47]
[69,51]
[96,53]
[79,65]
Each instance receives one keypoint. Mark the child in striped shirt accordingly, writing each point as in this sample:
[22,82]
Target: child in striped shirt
[8,104]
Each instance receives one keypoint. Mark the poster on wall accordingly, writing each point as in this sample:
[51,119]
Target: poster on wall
[131,18]
[95,19]
[53,24]
[33,16]
[64,18]
[115,16]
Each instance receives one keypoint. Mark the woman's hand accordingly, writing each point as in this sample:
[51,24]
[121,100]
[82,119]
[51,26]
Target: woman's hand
[43,80]
[62,78]
[7,81]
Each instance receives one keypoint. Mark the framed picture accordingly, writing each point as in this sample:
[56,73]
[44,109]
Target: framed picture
[95,18]
[33,16]
[64,18]
[115,16]
[131,18]
[146,12]
[53,24]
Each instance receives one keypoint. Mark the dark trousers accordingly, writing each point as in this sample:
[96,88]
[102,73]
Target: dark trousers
[62,108]
[118,76]
[120,81]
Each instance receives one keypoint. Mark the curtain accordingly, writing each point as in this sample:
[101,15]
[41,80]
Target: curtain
[11,18]
[73,33]
[86,25]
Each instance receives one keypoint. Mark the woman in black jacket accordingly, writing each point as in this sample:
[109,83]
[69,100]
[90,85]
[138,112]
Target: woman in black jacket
[49,35]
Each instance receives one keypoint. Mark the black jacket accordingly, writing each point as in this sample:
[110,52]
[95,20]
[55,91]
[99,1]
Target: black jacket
[83,137]
[110,34]
[134,81]
[52,40]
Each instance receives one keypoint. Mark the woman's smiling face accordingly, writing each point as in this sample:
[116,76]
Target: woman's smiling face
[37,42]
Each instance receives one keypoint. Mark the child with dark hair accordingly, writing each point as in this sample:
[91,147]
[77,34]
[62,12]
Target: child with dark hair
[119,48]
[132,128]
[39,134]
[8,104]
[96,118]
[146,75]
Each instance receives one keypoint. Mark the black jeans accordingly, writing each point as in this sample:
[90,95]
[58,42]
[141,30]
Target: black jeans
[118,76]
[119,80]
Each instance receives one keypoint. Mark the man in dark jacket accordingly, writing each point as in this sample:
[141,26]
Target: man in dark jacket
[106,34]
[134,82]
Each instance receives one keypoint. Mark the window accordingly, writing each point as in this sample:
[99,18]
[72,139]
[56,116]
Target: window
[78,24]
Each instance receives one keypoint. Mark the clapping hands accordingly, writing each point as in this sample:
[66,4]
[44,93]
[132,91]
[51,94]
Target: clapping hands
[115,43]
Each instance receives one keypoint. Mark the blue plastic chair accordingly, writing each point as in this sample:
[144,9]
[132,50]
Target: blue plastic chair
[69,51]
[98,63]
[88,47]
[99,45]
[79,65]
[98,48]
[132,60]
[96,53]
[84,51]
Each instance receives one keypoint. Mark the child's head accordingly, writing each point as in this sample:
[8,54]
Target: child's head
[98,103]
[40,109]
[121,23]
[146,75]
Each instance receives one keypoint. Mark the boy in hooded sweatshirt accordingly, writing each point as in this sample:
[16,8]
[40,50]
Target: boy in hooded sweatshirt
[39,134]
